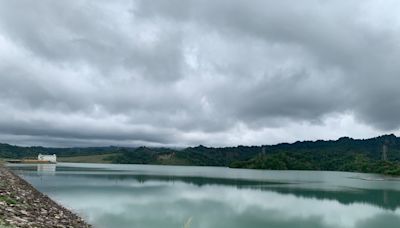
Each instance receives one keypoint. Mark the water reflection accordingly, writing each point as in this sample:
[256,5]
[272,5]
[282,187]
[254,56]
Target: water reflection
[137,199]
[47,169]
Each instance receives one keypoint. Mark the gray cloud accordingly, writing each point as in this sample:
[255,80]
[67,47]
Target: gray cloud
[188,72]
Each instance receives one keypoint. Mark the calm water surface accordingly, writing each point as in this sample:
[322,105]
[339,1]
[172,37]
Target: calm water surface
[146,196]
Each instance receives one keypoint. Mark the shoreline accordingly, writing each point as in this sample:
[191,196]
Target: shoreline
[21,205]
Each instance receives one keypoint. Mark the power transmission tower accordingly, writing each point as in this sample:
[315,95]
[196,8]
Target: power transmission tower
[385,151]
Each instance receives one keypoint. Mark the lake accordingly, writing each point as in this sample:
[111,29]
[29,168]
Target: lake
[147,196]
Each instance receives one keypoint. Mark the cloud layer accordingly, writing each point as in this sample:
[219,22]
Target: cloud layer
[189,72]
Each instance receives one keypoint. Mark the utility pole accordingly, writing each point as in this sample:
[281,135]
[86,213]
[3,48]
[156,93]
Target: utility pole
[385,151]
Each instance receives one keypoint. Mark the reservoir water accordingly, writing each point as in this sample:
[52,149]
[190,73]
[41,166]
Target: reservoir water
[147,196]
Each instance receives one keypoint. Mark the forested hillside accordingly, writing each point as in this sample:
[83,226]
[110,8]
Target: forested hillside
[344,154]
[16,152]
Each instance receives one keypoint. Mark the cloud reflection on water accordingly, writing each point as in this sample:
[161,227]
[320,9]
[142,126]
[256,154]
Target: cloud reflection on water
[169,204]
[166,196]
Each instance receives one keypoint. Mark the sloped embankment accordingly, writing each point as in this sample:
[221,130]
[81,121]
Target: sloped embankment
[21,205]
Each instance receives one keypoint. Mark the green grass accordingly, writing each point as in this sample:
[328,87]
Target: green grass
[8,200]
[172,161]
[188,223]
[99,158]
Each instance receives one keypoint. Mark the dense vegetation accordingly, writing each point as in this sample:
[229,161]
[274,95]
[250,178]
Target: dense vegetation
[16,152]
[344,154]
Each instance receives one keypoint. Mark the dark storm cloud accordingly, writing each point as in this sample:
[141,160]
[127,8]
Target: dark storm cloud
[187,72]
[333,34]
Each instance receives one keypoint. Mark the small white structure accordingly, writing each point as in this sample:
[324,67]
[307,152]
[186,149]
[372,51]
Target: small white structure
[49,158]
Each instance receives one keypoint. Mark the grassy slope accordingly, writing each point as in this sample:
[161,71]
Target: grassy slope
[100,158]
[173,160]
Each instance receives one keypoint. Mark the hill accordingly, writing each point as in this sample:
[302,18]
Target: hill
[344,154]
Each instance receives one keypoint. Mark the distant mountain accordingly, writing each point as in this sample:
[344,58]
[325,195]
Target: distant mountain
[344,154]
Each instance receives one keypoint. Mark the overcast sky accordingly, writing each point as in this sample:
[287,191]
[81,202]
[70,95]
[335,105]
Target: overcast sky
[189,72]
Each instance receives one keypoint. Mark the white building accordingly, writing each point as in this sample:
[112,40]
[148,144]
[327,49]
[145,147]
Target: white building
[49,158]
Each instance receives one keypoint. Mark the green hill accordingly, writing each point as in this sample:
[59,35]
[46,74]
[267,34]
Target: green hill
[344,154]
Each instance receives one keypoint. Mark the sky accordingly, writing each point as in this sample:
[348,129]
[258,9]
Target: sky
[190,72]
